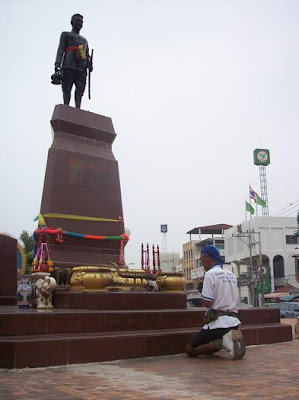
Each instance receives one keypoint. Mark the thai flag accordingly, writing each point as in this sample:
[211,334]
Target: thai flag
[252,194]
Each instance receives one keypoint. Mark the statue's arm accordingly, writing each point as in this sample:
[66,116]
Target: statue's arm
[60,50]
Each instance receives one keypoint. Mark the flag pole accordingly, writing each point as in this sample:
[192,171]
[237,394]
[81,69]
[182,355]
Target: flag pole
[249,199]
[245,211]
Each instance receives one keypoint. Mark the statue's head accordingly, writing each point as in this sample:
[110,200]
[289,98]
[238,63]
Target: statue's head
[77,22]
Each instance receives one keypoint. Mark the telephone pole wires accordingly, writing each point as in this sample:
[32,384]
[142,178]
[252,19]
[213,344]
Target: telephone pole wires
[254,275]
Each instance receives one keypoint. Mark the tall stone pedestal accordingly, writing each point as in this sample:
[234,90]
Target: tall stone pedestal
[82,186]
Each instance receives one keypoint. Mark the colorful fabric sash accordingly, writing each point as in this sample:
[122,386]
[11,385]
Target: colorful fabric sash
[80,52]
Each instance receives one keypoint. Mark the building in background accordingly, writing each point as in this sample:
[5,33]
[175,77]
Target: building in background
[193,270]
[170,261]
[266,241]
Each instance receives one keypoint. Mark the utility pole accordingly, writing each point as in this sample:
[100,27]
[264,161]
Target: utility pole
[252,281]
[261,274]
[251,278]
[238,264]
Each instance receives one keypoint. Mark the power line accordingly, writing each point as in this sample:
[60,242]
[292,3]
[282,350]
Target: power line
[276,216]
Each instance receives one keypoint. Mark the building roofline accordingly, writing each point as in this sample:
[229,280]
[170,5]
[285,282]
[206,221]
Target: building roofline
[210,229]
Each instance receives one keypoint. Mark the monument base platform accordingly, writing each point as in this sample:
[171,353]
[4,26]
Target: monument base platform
[67,299]
[37,338]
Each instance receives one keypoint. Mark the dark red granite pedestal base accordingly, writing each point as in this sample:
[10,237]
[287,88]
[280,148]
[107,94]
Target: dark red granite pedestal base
[81,191]
[64,299]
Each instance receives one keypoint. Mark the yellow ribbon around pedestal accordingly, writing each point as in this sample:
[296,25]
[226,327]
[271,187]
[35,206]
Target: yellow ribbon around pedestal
[77,217]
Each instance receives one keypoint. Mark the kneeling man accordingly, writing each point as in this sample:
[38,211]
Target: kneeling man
[219,295]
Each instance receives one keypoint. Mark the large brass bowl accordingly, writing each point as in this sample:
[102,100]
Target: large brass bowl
[89,278]
[170,281]
[97,278]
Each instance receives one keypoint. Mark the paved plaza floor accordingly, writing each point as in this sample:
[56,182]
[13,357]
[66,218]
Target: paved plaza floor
[266,372]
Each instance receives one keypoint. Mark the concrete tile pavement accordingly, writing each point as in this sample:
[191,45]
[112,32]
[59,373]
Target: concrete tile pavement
[266,372]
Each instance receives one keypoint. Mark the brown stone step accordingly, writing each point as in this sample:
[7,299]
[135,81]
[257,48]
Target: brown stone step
[41,322]
[62,349]
[66,299]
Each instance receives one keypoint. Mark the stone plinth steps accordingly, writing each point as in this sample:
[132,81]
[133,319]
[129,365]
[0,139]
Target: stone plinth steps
[123,325]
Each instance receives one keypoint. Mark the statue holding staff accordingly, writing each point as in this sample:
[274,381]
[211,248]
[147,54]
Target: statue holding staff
[72,62]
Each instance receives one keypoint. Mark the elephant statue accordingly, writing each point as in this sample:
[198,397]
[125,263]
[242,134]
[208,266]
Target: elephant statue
[44,289]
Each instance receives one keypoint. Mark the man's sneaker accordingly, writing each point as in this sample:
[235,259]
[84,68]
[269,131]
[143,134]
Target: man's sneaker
[233,343]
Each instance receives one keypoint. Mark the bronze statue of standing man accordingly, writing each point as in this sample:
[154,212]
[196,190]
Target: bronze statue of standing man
[72,62]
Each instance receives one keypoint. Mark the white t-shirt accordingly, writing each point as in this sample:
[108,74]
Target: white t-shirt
[220,287]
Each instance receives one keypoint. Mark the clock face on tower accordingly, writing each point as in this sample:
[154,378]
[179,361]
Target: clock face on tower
[261,157]
[164,228]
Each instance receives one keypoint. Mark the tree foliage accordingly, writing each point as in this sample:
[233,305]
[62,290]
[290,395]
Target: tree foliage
[28,243]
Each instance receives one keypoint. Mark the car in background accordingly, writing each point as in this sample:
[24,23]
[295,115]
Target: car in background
[289,309]
[194,300]
[271,305]
[243,305]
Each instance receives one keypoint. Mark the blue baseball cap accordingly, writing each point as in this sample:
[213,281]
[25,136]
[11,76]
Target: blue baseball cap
[213,252]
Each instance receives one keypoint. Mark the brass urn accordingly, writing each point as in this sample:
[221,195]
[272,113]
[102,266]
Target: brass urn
[170,281]
[89,278]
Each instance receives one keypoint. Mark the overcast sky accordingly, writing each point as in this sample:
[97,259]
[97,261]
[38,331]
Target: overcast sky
[192,87]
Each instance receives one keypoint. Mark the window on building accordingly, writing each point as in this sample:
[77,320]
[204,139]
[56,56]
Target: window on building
[219,244]
[290,239]
[278,267]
